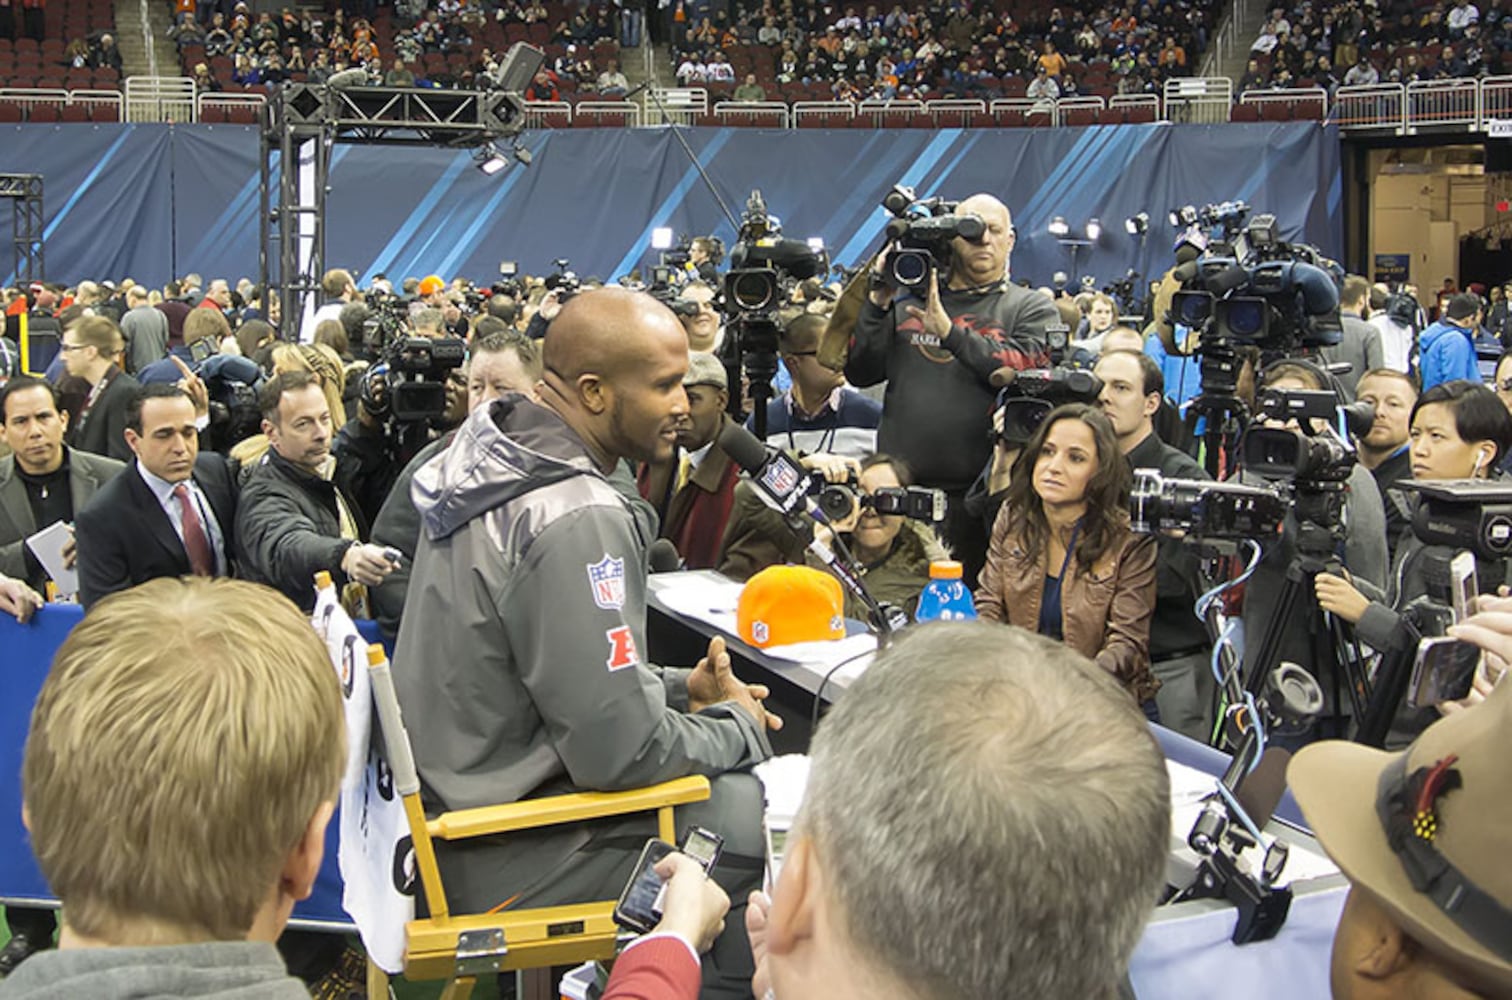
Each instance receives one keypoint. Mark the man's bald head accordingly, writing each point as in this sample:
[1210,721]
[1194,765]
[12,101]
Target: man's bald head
[614,362]
[983,261]
[604,330]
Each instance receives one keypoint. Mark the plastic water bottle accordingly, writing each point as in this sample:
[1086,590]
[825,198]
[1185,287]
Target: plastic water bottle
[945,597]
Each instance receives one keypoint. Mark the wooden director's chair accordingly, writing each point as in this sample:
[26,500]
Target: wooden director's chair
[461,947]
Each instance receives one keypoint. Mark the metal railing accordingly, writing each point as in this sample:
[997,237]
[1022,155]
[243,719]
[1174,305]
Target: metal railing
[625,114]
[1199,100]
[159,99]
[237,108]
[753,114]
[676,105]
[1440,106]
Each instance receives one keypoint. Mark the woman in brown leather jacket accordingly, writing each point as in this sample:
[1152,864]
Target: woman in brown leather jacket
[1063,561]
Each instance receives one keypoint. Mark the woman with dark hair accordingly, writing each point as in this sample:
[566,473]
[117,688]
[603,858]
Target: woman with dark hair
[891,552]
[1063,561]
[1460,430]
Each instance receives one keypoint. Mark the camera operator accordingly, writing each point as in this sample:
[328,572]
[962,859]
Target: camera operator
[340,290]
[1398,322]
[1131,395]
[695,308]
[703,263]
[497,364]
[433,293]
[938,356]
[1360,343]
[892,552]
[1460,430]
[1384,449]
[1363,525]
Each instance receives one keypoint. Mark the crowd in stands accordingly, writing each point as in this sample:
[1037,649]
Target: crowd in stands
[453,43]
[964,50]
[1351,44]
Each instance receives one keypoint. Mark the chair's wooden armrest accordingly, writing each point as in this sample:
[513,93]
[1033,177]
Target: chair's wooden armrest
[532,813]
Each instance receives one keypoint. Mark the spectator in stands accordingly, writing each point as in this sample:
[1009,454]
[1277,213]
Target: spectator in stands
[106,55]
[170,514]
[204,82]
[295,516]
[1043,87]
[91,351]
[399,75]
[542,88]
[612,83]
[750,91]
[1363,73]
[1035,737]
[145,330]
[220,790]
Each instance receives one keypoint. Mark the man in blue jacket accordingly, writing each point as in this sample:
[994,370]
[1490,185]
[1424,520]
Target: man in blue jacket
[1448,346]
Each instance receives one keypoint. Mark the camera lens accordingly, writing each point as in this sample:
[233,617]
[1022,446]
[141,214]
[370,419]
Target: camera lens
[753,291]
[910,267]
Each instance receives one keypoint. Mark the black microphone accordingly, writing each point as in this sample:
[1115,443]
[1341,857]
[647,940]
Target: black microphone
[1261,790]
[779,480]
[662,557]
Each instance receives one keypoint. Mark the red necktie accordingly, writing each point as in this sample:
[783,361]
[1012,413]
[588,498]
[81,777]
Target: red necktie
[196,542]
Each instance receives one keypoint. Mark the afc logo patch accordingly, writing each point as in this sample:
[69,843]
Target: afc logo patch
[607,579]
[622,652]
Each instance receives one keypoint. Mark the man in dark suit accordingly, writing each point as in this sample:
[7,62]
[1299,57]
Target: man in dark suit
[91,349]
[694,491]
[41,482]
[173,514]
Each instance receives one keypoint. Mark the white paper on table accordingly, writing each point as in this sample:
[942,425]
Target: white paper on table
[828,653]
[47,545]
[703,598]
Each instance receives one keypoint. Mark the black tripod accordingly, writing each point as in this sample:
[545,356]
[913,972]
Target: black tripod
[1332,640]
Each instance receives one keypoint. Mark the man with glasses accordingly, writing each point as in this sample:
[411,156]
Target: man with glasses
[92,349]
[820,413]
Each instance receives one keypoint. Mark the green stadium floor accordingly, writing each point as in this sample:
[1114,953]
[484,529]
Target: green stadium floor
[486,989]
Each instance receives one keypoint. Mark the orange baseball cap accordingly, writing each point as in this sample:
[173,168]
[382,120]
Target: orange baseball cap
[788,604]
[431,284]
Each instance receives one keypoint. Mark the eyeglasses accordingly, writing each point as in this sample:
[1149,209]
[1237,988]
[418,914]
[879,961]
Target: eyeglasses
[801,354]
[72,347]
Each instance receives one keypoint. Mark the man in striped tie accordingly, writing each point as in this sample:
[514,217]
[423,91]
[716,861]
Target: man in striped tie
[173,513]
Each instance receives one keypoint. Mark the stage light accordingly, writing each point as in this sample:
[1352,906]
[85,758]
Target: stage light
[1094,230]
[1182,217]
[489,159]
[1138,225]
[1058,227]
[661,238]
[816,243]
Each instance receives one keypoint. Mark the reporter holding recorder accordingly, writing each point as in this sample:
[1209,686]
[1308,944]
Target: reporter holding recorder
[1460,430]
[1063,560]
